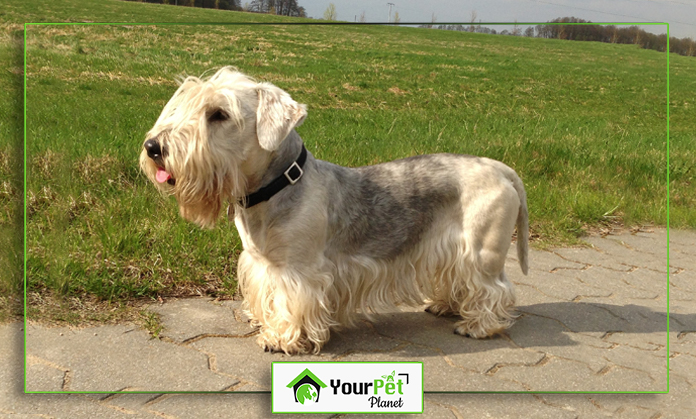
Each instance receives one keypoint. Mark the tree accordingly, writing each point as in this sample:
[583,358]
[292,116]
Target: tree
[432,21]
[276,7]
[529,32]
[397,19]
[362,17]
[330,13]
[259,6]
[473,19]
[516,30]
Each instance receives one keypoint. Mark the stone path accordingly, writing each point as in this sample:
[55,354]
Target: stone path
[593,319]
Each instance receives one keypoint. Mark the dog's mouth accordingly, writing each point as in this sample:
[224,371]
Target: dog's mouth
[157,153]
[163,176]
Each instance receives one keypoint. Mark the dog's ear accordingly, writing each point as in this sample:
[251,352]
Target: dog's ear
[276,115]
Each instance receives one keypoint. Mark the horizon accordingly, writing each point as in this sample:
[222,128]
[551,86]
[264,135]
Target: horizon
[502,12]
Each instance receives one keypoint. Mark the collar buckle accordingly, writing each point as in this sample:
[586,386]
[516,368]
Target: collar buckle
[291,176]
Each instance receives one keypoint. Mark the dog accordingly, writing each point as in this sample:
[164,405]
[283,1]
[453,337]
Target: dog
[323,242]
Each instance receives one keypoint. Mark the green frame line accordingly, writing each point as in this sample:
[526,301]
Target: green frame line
[320,23]
[340,23]
[24,165]
[667,51]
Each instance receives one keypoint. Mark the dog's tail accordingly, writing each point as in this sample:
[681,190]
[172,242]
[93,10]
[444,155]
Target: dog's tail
[522,225]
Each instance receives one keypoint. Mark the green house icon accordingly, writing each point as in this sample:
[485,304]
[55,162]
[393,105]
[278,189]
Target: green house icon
[306,387]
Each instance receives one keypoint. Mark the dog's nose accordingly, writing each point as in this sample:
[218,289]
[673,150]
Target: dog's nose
[154,151]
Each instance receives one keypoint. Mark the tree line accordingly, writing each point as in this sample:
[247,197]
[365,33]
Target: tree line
[599,33]
[276,7]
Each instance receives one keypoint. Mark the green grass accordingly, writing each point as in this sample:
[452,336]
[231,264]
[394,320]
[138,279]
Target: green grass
[584,124]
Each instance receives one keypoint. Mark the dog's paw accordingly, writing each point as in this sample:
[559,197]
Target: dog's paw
[271,349]
[270,343]
[440,309]
[478,333]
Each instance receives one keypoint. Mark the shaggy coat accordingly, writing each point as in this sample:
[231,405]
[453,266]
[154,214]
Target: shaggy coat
[433,228]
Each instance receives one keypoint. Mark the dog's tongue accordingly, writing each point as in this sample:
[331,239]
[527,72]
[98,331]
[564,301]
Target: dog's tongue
[162,175]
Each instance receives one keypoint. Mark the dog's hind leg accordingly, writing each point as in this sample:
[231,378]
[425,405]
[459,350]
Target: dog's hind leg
[488,309]
[486,295]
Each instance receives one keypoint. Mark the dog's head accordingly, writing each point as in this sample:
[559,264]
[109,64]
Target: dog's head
[215,137]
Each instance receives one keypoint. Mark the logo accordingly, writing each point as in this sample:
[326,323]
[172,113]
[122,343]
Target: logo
[347,387]
[306,387]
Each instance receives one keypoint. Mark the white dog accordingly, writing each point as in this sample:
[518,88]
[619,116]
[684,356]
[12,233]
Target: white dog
[322,241]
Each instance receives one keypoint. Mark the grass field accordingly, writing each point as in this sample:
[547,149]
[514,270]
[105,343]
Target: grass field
[584,124]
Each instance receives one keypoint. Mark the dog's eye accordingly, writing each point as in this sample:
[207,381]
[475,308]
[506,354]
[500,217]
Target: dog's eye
[218,116]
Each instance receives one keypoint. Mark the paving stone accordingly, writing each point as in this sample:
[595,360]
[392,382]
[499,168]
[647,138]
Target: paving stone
[547,262]
[593,324]
[683,362]
[139,360]
[44,377]
[636,412]
[185,406]
[591,351]
[531,331]
[582,405]
[681,261]
[655,342]
[528,294]
[645,243]
[67,407]
[126,402]
[433,409]
[680,402]
[565,287]
[487,360]
[601,317]
[439,374]
[652,405]
[641,283]
[617,252]
[363,338]
[187,318]
[683,343]
[597,257]
[683,240]
[679,296]
[608,245]
[683,282]
[12,353]
[496,406]
[243,359]
[680,318]
[653,363]
[576,376]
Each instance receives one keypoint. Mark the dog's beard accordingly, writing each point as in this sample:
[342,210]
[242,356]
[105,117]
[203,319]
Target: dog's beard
[202,182]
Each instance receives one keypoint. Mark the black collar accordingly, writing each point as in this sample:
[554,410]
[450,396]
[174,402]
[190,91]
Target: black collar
[289,177]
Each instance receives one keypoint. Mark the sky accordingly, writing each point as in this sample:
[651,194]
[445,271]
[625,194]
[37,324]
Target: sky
[681,14]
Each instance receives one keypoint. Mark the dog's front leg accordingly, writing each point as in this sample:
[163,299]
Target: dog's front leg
[289,303]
